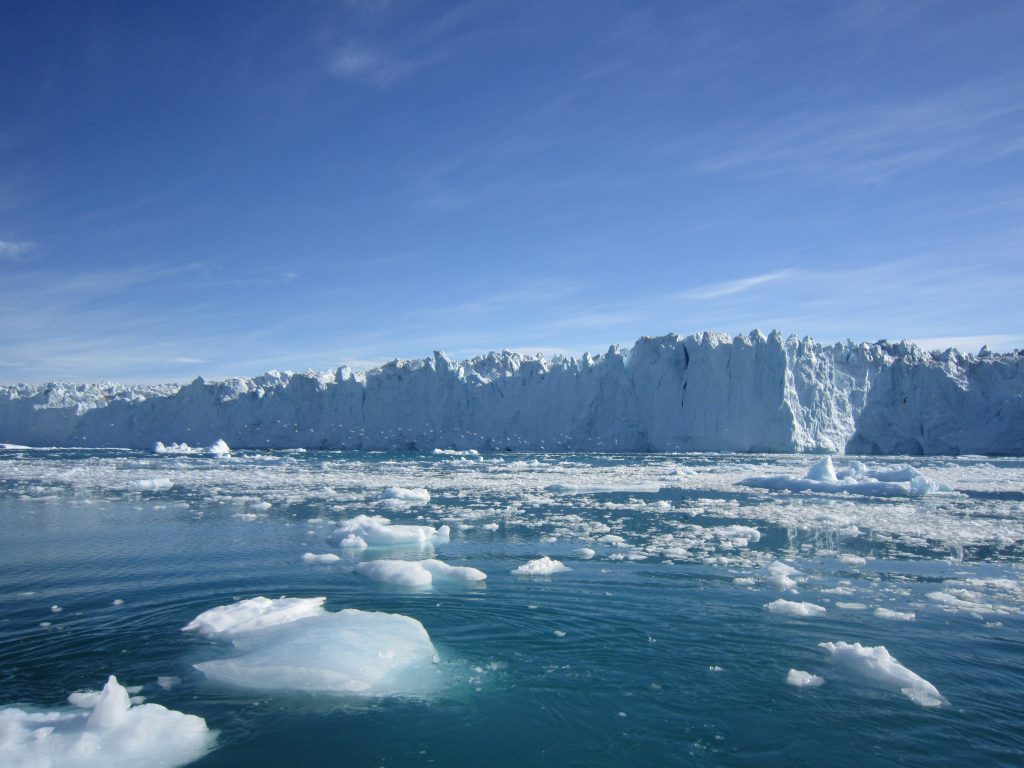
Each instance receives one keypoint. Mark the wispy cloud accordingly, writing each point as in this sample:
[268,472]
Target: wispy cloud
[730,287]
[877,141]
[356,61]
[14,251]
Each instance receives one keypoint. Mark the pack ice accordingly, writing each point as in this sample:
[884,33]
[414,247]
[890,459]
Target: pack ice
[706,391]
[294,644]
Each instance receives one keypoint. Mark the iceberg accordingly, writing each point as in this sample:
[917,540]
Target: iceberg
[703,392]
[294,644]
[877,666]
[418,573]
[857,479]
[375,531]
[542,566]
[110,731]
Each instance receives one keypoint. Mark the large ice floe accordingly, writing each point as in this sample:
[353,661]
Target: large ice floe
[704,392]
[878,667]
[294,644]
[103,729]
[856,478]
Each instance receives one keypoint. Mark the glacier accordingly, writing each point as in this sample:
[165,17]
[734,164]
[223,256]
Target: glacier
[703,392]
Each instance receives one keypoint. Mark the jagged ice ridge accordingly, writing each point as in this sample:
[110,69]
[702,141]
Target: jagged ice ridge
[704,392]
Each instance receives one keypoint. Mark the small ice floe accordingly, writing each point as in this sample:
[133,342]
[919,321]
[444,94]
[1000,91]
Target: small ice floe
[111,732]
[791,608]
[254,613]
[55,609]
[375,531]
[542,566]
[490,527]
[329,557]
[407,495]
[877,666]
[293,644]
[586,553]
[855,560]
[966,600]
[781,576]
[453,452]
[800,679]
[117,601]
[886,613]
[152,484]
[218,448]
[559,633]
[851,606]
[417,573]
[856,479]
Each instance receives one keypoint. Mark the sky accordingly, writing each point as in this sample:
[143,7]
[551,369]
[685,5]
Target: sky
[220,189]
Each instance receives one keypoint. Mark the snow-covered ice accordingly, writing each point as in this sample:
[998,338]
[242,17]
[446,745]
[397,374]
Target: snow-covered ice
[111,732]
[704,392]
[254,614]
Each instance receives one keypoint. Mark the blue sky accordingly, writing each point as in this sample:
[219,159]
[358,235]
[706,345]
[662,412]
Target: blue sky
[225,188]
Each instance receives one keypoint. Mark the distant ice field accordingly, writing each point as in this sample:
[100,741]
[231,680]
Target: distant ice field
[710,609]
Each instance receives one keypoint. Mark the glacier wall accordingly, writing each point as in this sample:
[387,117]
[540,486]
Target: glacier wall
[704,392]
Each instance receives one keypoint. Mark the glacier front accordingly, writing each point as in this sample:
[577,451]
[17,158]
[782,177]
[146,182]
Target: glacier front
[704,392]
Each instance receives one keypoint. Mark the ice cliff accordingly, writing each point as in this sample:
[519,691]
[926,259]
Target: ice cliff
[706,392]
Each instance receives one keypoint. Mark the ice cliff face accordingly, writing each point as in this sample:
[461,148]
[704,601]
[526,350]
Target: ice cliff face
[702,392]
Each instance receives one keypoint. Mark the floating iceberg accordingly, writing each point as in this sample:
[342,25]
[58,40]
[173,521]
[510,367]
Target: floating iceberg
[409,495]
[218,448]
[790,608]
[293,644]
[418,573]
[877,666]
[376,531]
[857,479]
[112,732]
[800,679]
[542,566]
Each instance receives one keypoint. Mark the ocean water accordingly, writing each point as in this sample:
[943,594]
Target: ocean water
[658,650]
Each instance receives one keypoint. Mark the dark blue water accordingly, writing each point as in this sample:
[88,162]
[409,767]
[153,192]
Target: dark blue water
[665,660]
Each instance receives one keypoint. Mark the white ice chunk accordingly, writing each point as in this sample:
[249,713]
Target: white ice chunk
[586,553]
[153,484]
[781,575]
[823,470]
[410,495]
[254,614]
[886,613]
[378,531]
[349,652]
[876,665]
[329,557]
[800,679]
[542,566]
[791,608]
[114,733]
[417,573]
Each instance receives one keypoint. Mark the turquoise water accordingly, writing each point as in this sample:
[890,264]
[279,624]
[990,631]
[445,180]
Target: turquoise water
[665,658]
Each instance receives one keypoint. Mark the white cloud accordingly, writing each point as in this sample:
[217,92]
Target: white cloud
[354,61]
